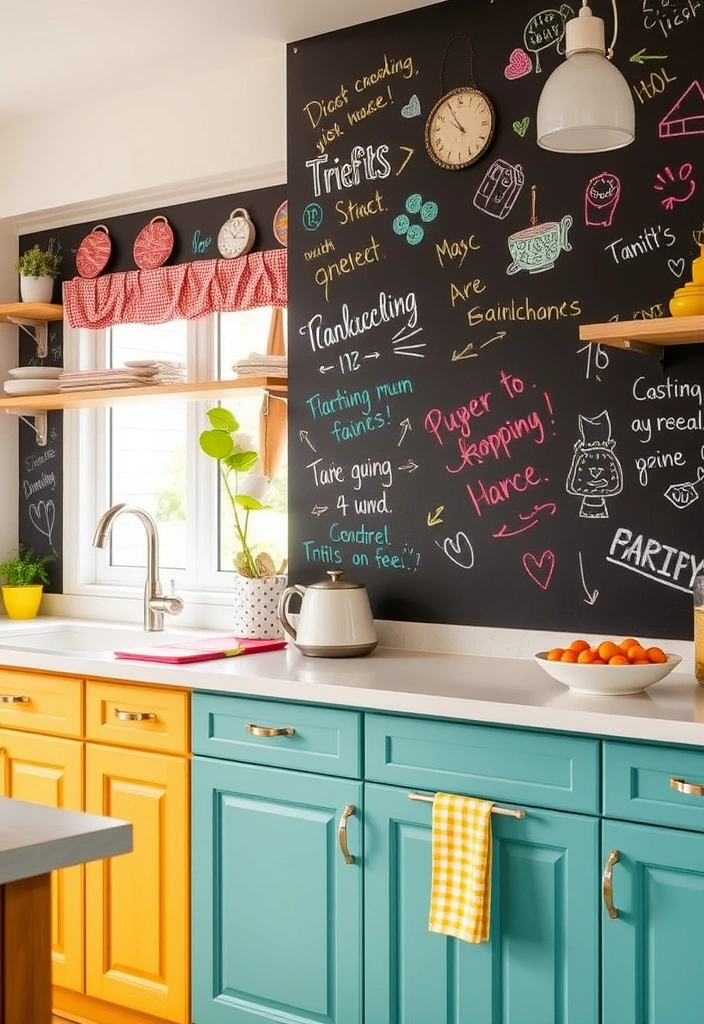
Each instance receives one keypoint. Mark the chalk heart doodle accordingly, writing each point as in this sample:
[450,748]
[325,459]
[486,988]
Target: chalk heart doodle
[519,64]
[412,108]
[676,267]
[678,189]
[42,515]
[601,198]
[458,549]
[687,115]
[499,189]
[521,127]
[545,30]
[540,567]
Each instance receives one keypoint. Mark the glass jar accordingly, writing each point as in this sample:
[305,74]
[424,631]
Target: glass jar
[699,628]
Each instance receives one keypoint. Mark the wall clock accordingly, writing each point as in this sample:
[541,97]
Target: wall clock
[461,125]
[236,236]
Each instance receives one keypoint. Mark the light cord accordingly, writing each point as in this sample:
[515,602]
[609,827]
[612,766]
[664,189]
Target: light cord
[610,51]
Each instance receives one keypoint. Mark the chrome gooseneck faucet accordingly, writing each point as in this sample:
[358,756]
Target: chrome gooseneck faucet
[155,602]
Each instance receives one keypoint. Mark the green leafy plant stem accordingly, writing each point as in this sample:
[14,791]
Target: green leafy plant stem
[240,531]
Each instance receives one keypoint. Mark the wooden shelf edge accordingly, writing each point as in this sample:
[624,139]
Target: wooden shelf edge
[43,312]
[194,391]
[685,330]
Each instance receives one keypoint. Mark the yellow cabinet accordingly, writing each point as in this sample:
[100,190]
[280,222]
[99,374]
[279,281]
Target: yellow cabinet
[46,770]
[137,926]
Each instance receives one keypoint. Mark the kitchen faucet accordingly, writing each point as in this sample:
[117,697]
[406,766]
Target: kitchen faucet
[155,602]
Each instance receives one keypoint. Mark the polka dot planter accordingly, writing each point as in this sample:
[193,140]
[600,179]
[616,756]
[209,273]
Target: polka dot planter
[255,607]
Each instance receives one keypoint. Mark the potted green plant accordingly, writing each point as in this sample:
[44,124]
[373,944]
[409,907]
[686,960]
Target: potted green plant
[259,583]
[25,575]
[38,268]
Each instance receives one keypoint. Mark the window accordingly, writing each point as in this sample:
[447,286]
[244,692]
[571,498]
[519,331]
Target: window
[147,454]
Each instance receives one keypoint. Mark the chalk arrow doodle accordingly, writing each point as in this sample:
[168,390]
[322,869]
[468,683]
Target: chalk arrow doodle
[458,549]
[325,369]
[372,355]
[435,518]
[466,353]
[591,594]
[405,427]
[409,153]
[304,439]
[411,466]
[642,56]
[499,336]
[318,510]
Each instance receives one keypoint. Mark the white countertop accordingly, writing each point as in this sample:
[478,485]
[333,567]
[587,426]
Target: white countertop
[509,691]
[34,839]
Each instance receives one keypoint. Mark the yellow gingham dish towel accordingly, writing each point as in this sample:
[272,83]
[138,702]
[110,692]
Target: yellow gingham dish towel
[460,898]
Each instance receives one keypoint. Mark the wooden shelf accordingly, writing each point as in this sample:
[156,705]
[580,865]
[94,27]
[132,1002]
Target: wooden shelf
[42,312]
[196,391]
[642,335]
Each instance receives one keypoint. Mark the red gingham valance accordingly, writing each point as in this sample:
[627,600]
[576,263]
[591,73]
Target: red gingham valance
[186,291]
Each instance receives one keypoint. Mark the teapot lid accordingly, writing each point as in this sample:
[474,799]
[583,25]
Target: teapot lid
[335,583]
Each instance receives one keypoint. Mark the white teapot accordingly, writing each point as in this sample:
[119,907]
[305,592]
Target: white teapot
[335,620]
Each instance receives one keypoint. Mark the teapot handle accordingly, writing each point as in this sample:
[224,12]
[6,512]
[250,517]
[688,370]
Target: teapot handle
[284,600]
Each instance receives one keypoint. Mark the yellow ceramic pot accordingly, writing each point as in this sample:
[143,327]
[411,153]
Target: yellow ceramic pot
[22,602]
[688,301]
[698,269]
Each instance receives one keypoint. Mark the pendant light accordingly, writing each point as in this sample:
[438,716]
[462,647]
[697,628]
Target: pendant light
[586,104]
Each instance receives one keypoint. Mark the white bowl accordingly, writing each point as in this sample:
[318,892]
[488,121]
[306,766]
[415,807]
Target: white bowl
[606,680]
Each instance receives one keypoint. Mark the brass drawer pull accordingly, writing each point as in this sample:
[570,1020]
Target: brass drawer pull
[13,698]
[264,730]
[135,716]
[342,833]
[691,788]
[607,884]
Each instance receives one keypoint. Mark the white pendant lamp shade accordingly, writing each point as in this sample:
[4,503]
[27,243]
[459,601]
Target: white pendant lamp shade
[586,105]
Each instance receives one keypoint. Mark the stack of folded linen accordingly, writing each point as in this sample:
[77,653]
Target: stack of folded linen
[259,365]
[136,373]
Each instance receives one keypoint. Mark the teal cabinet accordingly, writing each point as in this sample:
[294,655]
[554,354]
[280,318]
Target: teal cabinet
[541,963]
[277,911]
[652,952]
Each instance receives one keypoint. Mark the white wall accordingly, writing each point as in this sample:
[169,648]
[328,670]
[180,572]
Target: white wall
[199,128]
[9,425]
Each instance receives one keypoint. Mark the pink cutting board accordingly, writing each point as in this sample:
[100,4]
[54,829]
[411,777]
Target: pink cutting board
[200,650]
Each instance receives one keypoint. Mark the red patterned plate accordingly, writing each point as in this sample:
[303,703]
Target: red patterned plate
[154,244]
[281,224]
[93,253]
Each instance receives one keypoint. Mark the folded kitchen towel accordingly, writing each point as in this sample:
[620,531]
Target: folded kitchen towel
[460,899]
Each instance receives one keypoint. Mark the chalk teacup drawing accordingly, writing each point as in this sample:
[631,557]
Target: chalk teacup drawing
[601,198]
[499,189]
[536,248]
[595,473]
[546,29]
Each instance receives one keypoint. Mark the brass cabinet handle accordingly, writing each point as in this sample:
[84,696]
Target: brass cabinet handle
[265,730]
[135,716]
[607,883]
[342,833]
[13,698]
[691,788]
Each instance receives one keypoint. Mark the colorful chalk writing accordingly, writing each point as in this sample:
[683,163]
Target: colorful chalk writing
[546,30]
[667,15]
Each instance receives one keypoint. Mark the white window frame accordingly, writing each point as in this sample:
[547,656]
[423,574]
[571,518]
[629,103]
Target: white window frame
[86,572]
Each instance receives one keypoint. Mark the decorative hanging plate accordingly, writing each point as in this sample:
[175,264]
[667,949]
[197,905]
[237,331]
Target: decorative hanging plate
[281,224]
[236,236]
[93,253]
[154,244]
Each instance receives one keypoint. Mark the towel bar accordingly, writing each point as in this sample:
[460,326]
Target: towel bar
[427,798]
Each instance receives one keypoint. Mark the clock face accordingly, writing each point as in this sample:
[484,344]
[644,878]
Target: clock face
[236,236]
[460,128]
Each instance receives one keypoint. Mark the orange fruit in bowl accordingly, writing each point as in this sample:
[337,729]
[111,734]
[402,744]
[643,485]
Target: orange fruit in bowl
[569,655]
[579,645]
[608,649]
[556,653]
[636,653]
[619,659]
[598,661]
[656,655]
[628,642]
[586,657]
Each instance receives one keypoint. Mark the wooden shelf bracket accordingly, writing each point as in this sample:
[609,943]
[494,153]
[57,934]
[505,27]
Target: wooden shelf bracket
[654,351]
[38,330]
[36,419]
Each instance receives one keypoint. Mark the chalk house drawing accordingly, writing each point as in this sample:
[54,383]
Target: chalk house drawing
[546,29]
[687,115]
[601,198]
[499,189]
[596,473]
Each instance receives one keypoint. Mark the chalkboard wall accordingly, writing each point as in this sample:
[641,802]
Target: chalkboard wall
[452,444]
[195,226]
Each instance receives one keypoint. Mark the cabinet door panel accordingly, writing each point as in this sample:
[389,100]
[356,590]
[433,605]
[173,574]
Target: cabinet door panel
[44,770]
[137,925]
[652,951]
[541,961]
[276,910]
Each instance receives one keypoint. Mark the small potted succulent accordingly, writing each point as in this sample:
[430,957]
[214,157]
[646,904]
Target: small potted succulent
[38,268]
[259,583]
[24,574]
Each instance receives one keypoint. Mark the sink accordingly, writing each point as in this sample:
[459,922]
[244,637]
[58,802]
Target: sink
[78,639]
